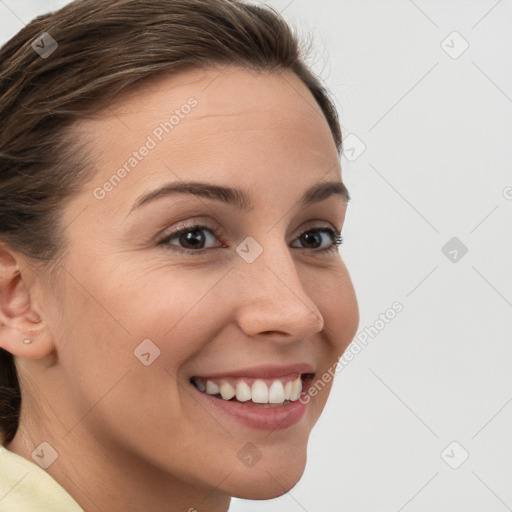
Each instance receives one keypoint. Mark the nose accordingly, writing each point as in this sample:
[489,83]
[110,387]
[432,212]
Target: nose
[272,301]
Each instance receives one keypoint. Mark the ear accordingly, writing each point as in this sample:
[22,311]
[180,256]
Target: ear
[20,317]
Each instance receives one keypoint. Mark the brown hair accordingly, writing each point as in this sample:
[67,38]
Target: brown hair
[105,47]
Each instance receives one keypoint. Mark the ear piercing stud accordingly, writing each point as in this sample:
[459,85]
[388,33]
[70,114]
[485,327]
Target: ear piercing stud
[27,341]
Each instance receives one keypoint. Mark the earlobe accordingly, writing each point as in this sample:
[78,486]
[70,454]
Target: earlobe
[23,332]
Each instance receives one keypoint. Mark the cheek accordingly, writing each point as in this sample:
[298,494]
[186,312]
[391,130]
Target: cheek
[335,298]
[334,295]
[131,305]
[134,338]
[176,310]
[99,332]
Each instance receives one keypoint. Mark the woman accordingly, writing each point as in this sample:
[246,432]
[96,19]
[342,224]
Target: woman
[170,212]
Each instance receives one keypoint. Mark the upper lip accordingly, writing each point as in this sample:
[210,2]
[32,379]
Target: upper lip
[264,372]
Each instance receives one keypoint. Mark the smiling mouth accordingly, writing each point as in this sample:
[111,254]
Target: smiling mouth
[256,392]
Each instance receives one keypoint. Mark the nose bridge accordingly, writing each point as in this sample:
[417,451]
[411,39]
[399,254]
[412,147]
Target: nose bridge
[273,298]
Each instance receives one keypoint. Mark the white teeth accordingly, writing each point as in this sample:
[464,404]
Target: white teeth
[276,393]
[259,392]
[288,390]
[243,391]
[296,389]
[211,387]
[227,391]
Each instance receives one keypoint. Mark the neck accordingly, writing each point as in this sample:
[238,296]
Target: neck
[103,477]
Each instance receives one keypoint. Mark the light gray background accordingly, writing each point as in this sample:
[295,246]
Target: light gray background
[437,131]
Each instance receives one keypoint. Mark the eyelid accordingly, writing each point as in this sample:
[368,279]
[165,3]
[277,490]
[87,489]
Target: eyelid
[318,224]
[213,226]
[188,225]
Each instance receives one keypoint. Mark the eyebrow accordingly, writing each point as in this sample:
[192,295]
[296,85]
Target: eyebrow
[237,197]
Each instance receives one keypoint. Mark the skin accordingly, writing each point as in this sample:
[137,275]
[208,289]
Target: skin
[133,437]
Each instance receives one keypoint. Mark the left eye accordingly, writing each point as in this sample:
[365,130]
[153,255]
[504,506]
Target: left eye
[194,239]
[313,237]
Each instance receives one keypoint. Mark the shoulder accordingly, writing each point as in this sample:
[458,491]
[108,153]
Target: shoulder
[26,486]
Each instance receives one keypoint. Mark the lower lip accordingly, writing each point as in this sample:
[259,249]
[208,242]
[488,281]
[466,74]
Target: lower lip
[260,418]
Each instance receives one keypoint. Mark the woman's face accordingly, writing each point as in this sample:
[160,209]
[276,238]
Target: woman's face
[248,296]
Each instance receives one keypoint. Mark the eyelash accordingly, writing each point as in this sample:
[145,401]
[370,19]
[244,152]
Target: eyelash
[335,235]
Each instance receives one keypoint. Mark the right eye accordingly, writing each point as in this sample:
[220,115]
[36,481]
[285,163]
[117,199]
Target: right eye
[191,239]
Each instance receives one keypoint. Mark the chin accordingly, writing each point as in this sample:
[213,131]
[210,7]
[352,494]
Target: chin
[268,479]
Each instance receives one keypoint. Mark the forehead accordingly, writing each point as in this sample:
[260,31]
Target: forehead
[222,123]
[223,97]
[225,89]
